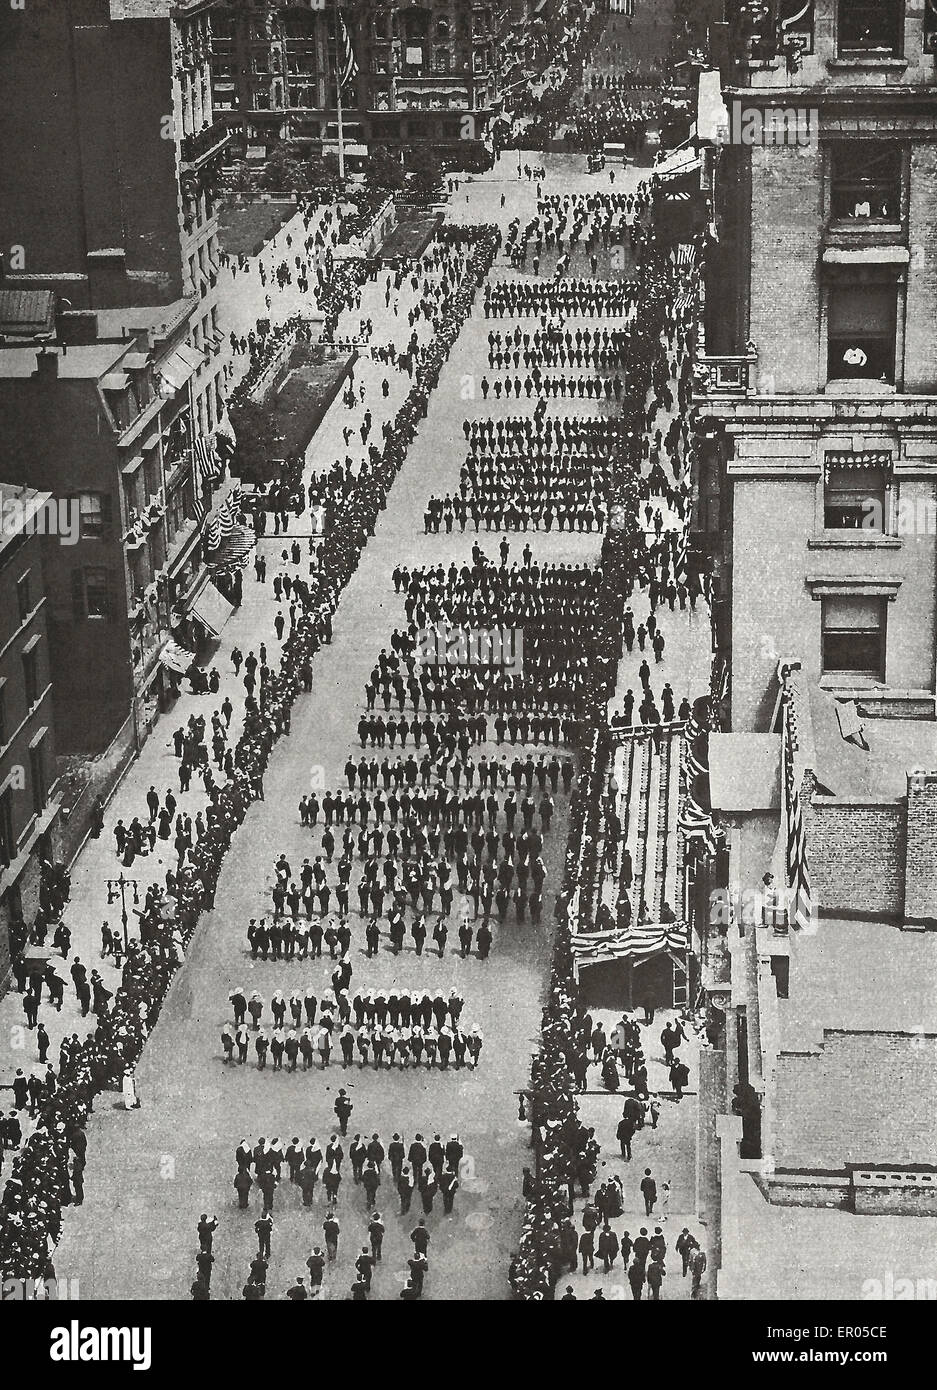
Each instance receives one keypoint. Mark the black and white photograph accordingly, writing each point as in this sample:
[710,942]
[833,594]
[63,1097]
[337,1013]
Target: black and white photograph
[468,668]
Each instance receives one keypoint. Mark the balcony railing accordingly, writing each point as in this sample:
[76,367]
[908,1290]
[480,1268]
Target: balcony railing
[196,150]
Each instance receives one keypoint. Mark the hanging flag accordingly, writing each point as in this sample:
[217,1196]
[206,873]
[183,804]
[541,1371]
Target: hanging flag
[347,63]
[797,866]
[208,468]
[695,823]
[225,521]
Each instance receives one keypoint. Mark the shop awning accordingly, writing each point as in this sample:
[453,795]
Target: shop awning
[212,610]
[176,658]
[179,366]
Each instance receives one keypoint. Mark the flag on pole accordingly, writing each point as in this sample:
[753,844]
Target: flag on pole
[347,63]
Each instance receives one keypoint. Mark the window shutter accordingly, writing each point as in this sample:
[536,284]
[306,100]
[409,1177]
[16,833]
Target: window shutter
[107,516]
[78,596]
[111,597]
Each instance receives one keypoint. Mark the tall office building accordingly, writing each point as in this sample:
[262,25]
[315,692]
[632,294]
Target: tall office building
[816,420]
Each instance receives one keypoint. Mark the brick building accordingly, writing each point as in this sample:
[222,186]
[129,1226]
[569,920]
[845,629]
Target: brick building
[830,1030]
[817,406]
[106,426]
[29,799]
[816,457]
[110,201]
[423,71]
[110,221]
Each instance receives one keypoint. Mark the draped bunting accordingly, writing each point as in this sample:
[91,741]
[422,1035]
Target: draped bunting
[638,942]
[224,522]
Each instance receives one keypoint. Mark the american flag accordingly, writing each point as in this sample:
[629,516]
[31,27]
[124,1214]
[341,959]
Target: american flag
[208,469]
[798,868]
[225,520]
[693,767]
[695,822]
[348,64]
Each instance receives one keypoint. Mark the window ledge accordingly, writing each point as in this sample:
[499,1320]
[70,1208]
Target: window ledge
[854,540]
[859,386]
[866,62]
[859,226]
[830,585]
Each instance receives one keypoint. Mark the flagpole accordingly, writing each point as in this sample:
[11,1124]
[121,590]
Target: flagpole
[338,96]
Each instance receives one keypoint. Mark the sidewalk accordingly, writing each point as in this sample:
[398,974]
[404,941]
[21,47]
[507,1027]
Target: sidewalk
[670,1153]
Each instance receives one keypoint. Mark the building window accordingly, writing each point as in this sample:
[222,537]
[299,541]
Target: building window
[93,510]
[23,598]
[37,776]
[30,682]
[853,640]
[866,181]
[870,26]
[855,498]
[91,593]
[442,61]
[7,838]
[862,325]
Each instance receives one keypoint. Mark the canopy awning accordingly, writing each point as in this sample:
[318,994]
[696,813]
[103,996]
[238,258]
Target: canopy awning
[639,942]
[863,458]
[212,610]
[176,658]
[179,366]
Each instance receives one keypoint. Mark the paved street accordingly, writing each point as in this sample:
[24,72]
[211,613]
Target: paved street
[155,1169]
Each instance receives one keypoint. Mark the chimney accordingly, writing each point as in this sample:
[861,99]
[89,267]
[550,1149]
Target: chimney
[920,897]
[47,364]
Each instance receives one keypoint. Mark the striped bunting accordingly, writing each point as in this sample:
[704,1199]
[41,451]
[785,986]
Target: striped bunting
[225,520]
[646,939]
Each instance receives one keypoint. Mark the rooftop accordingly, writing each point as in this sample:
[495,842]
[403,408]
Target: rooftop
[26,313]
[853,756]
[88,362]
[861,976]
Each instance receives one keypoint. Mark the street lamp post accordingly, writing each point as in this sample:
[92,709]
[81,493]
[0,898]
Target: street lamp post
[117,888]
